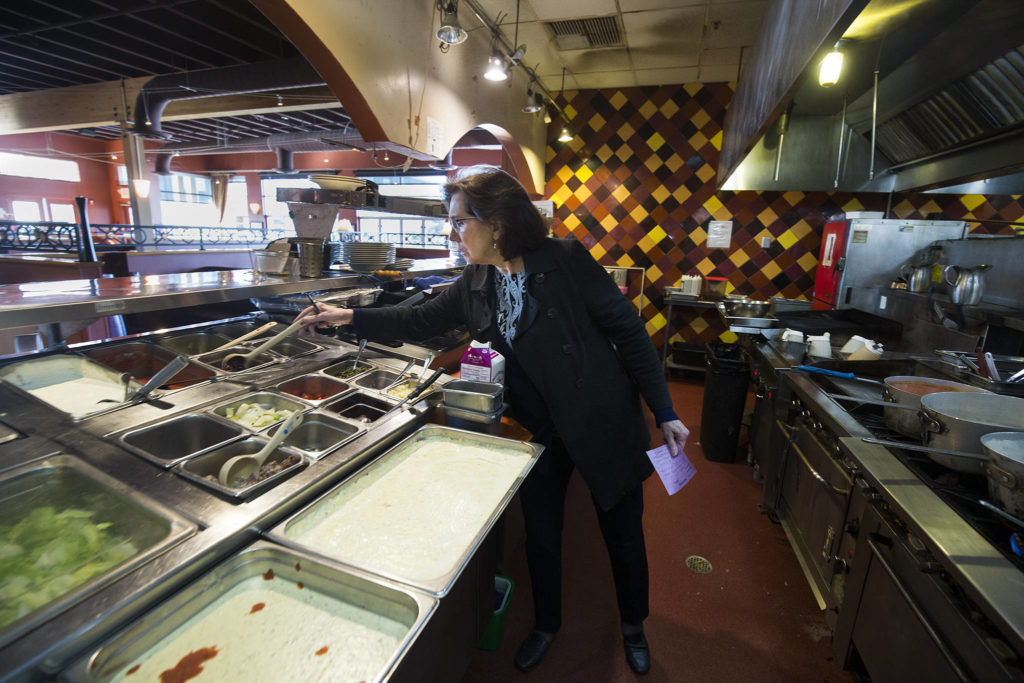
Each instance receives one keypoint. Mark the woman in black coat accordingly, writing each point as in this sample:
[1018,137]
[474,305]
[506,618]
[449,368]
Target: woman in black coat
[578,361]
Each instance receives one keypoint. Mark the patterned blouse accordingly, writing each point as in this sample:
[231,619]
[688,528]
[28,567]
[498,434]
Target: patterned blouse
[509,294]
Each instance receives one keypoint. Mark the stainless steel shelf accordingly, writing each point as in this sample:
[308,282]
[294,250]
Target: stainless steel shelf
[363,199]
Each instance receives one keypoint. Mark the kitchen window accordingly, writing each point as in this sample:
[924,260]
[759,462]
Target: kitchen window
[400,229]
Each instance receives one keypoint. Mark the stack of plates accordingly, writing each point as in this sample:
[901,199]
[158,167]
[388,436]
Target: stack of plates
[340,182]
[368,256]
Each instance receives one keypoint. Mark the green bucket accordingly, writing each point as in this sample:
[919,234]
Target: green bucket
[503,588]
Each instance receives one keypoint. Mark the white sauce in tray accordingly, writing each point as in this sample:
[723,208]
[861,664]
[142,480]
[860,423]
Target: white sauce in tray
[414,515]
[297,635]
[80,396]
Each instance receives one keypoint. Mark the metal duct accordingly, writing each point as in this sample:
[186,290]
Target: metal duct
[157,93]
[285,161]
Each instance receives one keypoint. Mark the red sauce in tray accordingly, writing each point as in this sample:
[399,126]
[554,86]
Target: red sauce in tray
[190,666]
[268,575]
[257,607]
[322,651]
[132,670]
[924,388]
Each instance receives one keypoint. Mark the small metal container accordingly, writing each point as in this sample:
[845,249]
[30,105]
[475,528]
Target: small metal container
[247,647]
[484,423]
[403,388]
[168,443]
[314,388]
[204,469]
[295,347]
[62,483]
[215,359]
[193,344]
[346,369]
[377,380]
[266,400]
[359,407]
[481,397]
[142,360]
[70,383]
[319,435]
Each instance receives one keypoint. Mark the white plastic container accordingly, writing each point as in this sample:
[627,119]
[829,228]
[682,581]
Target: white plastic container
[481,363]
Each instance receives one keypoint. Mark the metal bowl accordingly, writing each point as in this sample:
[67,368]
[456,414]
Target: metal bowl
[746,308]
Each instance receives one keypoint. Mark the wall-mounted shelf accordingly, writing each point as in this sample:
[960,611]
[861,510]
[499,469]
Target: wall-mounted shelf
[363,199]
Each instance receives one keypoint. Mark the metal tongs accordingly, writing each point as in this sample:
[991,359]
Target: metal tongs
[164,375]
[415,393]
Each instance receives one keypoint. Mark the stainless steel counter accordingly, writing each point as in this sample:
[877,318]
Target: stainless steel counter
[36,303]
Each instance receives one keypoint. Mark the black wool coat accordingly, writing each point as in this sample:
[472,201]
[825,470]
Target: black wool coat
[581,343]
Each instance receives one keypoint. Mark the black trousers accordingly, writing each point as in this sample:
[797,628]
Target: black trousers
[543,500]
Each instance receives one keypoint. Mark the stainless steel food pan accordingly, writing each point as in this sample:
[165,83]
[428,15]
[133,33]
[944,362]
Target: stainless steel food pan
[359,407]
[376,379]
[195,343]
[315,388]
[320,434]
[266,400]
[215,359]
[347,369]
[482,397]
[296,347]
[390,546]
[204,469]
[250,648]
[485,423]
[50,492]
[142,360]
[70,383]
[236,330]
[168,443]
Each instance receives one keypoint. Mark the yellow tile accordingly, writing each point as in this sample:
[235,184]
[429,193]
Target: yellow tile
[549,154]
[584,173]
[657,234]
[929,207]
[739,257]
[647,110]
[626,131]
[609,222]
[903,208]
[624,152]
[645,243]
[693,88]
[793,198]
[700,118]
[653,273]
[624,261]
[597,122]
[571,221]
[652,163]
[655,141]
[618,100]
[674,163]
[699,325]
[604,153]
[972,201]
[788,239]
[698,236]
[564,174]
[570,111]
[669,109]
[706,172]
[712,204]
[638,214]
[729,337]
[698,140]
[853,205]
[560,196]
[655,324]
[801,229]
[808,262]
[660,194]
[706,266]
[620,193]
[771,269]
[597,251]
[681,194]
[576,144]
[716,141]
[767,217]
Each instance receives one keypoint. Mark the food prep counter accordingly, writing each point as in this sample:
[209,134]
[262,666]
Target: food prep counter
[160,453]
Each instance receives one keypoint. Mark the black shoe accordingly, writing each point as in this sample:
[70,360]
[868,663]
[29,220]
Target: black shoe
[533,650]
[638,654]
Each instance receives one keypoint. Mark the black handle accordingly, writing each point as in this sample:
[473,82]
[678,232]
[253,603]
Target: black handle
[423,387]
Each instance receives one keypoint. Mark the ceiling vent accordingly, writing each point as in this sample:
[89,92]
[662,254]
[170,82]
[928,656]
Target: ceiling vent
[587,34]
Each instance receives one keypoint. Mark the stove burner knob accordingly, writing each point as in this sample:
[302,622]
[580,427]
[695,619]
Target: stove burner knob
[840,565]
[852,527]
[805,413]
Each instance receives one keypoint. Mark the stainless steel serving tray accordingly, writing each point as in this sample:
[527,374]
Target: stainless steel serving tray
[267,400]
[171,441]
[326,386]
[321,434]
[201,468]
[290,531]
[411,609]
[64,482]
[482,397]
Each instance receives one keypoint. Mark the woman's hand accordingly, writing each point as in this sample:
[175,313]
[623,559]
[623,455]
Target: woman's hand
[675,436]
[331,316]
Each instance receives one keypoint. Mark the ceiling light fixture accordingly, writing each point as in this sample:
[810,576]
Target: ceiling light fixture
[566,134]
[451,32]
[280,101]
[141,187]
[497,67]
[831,68]
[534,102]
[254,207]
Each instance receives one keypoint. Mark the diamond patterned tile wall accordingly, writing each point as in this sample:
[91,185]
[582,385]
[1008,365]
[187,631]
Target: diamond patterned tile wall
[637,186]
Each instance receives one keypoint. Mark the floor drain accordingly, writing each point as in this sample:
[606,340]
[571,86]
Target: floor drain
[698,564]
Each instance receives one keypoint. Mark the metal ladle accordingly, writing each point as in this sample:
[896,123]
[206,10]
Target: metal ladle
[244,466]
[176,365]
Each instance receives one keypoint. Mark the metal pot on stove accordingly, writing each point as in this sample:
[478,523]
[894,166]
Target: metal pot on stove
[907,390]
[956,421]
[1004,452]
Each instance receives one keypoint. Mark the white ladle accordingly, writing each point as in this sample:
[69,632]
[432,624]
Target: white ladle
[248,335]
[248,357]
[244,466]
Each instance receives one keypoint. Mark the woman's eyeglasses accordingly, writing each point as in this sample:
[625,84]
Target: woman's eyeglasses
[459,223]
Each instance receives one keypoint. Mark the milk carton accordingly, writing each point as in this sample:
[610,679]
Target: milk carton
[481,363]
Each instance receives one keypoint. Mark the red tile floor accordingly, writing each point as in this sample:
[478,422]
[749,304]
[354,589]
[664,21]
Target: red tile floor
[752,618]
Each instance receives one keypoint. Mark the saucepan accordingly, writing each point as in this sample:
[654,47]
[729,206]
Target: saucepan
[1004,452]
[956,421]
[907,390]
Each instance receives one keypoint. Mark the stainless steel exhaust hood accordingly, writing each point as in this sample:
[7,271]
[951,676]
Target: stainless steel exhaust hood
[931,97]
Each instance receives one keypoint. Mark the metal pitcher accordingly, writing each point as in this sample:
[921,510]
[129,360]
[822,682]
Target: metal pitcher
[968,283]
[917,278]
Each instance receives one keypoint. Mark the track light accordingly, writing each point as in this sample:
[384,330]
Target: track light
[534,102]
[497,67]
[141,187]
[254,208]
[831,67]
[451,32]
[280,101]
[566,134]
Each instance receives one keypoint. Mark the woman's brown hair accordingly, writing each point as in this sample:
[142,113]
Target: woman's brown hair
[501,202]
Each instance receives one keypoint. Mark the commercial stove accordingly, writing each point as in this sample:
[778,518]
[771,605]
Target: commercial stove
[918,580]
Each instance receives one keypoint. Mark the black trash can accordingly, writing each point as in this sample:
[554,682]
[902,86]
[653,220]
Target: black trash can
[725,395]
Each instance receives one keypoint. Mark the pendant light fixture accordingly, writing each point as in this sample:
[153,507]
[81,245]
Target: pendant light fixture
[566,134]
[534,102]
[497,67]
[831,68]
[451,31]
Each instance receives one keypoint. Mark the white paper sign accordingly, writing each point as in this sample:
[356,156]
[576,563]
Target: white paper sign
[435,132]
[719,234]
[674,472]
